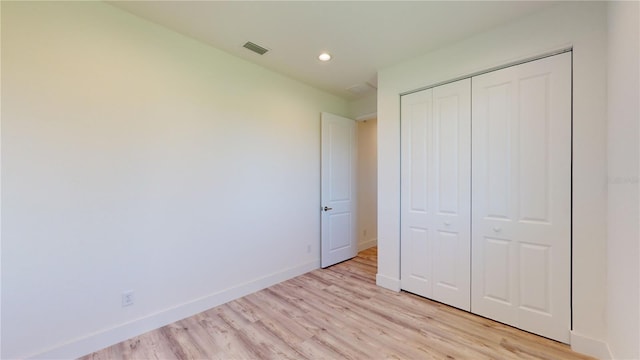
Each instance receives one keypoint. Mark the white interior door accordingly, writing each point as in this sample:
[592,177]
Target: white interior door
[339,155]
[521,195]
[435,197]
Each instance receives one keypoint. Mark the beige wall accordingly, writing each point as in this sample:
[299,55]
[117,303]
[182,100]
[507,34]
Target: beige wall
[134,158]
[581,25]
[367,184]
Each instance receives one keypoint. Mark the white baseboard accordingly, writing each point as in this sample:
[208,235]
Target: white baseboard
[107,337]
[588,346]
[387,282]
[367,244]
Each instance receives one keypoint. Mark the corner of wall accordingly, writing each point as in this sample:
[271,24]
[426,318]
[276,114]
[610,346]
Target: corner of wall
[588,346]
[623,153]
[367,244]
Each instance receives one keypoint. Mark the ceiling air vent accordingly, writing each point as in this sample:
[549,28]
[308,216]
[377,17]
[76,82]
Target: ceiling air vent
[255,48]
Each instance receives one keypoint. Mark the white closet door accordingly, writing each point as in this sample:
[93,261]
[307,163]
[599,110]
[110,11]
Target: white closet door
[521,196]
[435,210]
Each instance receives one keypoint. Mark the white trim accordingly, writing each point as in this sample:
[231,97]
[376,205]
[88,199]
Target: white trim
[107,337]
[592,347]
[367,244]
[559,51]
[387,282]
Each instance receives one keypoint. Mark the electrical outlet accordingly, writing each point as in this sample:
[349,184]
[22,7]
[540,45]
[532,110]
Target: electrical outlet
[364,232]
[127,298]
[308,248]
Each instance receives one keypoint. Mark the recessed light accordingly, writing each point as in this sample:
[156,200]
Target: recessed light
[324,56]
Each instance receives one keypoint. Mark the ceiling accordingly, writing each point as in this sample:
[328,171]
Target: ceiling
[362,36]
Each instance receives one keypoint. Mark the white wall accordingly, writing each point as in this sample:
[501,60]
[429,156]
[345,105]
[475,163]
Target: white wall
[623,271]
[578,24]
[134,158]
[367,184]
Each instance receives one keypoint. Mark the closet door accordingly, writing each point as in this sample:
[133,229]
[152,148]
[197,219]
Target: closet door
[435,208]
[521,196]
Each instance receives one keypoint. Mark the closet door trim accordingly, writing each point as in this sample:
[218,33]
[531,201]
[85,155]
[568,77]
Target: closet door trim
[481,72]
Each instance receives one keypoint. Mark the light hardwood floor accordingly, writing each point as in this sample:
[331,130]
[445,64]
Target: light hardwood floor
[336,313]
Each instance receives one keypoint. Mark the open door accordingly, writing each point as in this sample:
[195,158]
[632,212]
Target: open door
[338,190]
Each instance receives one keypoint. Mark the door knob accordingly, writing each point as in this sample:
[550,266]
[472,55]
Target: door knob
[326,208]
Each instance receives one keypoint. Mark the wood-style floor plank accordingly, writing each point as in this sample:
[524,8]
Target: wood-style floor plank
[336,313]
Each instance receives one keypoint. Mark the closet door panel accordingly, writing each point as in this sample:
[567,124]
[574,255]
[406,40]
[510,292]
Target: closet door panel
[497,258]
[495,138]
[435,194]
[521,195]
[447,151]
[534,146]
[416,197]
[452,186]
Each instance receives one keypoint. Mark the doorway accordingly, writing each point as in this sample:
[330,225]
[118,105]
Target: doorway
[367,174]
